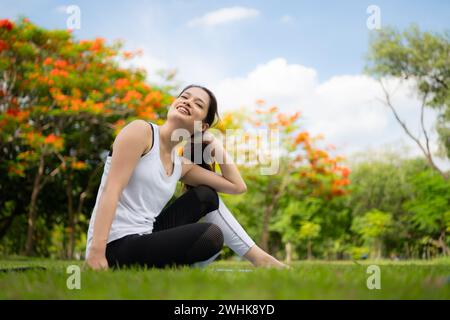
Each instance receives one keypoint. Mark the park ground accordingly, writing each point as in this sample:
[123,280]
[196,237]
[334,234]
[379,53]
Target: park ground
[229,280]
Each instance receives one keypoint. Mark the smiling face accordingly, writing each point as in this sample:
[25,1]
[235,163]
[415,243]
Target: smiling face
[192,105]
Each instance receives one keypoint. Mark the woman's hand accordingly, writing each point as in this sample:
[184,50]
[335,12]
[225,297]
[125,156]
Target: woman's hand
[96,259]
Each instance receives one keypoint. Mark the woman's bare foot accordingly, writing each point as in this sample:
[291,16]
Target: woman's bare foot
[259,258]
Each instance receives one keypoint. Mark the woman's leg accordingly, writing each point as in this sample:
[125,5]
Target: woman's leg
[188,208]
[176,238]
[182,245]
[237,239]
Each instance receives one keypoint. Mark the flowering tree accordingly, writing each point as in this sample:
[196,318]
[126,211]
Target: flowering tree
[61,103]
[304,172]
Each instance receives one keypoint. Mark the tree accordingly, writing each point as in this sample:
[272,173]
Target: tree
[424,59]
[61,103]
[430,208]
[304,169]
[309,231]
[373,226]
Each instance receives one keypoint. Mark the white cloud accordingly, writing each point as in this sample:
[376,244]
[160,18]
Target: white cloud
[190,66]
[344,108]
[222,16]
[287,19]
[274,81]
[178,50]
[62,9]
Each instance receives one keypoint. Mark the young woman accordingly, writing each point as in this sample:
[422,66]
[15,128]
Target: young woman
[131,224]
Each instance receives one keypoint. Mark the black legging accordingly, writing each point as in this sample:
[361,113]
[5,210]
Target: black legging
[177,238]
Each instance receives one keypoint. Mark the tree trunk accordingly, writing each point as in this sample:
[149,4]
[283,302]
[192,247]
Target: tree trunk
[309,247]
[440,243]
[407,250]
[268,212]
[379,249]
[71,222]
[29,247]
[74,213]
[445,249]
[288,252]
[265,228]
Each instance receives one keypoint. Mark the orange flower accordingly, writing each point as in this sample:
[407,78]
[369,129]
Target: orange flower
[60,64]
[294,117]
[337,192]
[15,171]
[132,94]
[121,83]
[321,154]
[345,172]
[22,115]
[97,44]
[50,138]
[302,137]
[341,182]
[59,73]
[48,61]
[98,107]
[56,141]
[3,45]
[273,109]
[6,24]
[127,55]
[79,165]
[12,112]
[282,119]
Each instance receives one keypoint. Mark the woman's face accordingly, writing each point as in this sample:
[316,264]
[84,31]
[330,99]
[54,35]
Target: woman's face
[192,105]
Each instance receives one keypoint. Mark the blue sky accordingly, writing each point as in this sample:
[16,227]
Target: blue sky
[303,56]
[329,36]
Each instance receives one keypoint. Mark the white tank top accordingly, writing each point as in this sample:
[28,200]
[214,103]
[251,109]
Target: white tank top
[147,192]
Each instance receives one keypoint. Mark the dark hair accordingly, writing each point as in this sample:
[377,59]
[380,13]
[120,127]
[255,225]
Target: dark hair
[211,116]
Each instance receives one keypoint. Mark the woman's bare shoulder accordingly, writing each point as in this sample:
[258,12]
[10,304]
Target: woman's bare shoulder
[141,131]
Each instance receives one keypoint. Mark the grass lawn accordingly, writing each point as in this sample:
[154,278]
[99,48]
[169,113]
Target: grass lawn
[230,280]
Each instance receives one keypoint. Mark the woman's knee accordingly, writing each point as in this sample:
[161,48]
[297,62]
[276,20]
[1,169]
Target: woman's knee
[215,236]
[208,197]
[212,239]
[209,243]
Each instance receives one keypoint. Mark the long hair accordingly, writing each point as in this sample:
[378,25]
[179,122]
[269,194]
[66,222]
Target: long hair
[210,119]
[203,163]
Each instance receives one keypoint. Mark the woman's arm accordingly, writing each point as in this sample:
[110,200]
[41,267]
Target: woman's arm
[129,145]
[229,182]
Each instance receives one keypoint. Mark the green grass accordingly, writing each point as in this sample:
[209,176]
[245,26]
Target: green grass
[307,280]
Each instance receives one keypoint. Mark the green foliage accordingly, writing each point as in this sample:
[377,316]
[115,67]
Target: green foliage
[373,225]
[357,253]
[430,205]
[421,57]
[308,230]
